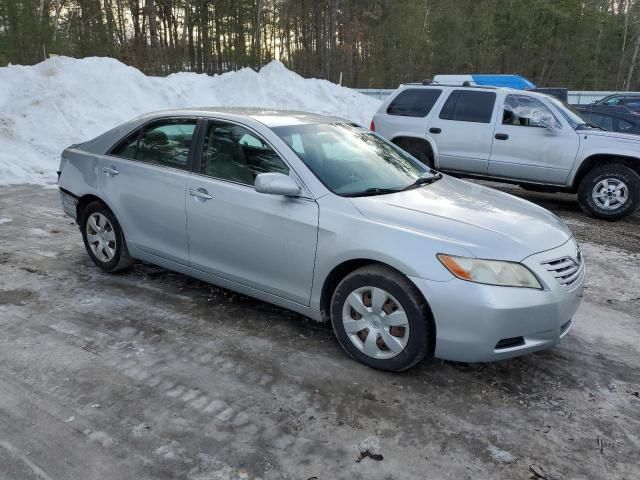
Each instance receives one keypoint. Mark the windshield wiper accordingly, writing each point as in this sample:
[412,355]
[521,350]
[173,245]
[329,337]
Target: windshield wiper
[435,176]
[382,191]
[372,191]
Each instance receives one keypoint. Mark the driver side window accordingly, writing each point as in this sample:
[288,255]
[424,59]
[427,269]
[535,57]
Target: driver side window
[526,111]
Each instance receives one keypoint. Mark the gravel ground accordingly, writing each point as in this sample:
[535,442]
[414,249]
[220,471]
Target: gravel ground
[153,375]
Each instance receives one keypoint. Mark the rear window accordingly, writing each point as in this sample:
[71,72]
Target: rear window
[469,106]
[414,102]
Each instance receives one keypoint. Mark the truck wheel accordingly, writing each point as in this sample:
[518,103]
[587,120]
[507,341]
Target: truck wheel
[609,192]
[417,149]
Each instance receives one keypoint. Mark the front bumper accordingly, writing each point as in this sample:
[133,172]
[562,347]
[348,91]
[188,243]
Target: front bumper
[479,323]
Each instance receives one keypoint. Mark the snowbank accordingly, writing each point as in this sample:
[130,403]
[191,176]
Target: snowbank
[48,106]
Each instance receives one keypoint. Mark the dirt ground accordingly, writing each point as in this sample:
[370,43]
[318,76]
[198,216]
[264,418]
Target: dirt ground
[153,375]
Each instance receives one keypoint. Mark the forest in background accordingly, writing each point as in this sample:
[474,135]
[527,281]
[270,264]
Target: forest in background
[579,44]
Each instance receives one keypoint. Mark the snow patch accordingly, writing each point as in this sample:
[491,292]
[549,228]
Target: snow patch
[48,106]
[500,455]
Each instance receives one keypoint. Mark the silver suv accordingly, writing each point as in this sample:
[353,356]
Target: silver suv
[516,136]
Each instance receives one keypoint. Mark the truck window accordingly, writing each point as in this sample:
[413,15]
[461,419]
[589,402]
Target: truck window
[526,111]
[469,106]
[414,102]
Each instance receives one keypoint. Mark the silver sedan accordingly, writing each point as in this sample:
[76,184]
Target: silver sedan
[326,218]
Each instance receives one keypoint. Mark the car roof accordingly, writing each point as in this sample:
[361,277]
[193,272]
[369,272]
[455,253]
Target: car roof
[622,94]
[269,117]
[514,91]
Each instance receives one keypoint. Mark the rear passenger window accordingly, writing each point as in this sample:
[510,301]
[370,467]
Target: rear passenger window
[414,102]
[166,143]
[469,106]
[624,126]
[127,147]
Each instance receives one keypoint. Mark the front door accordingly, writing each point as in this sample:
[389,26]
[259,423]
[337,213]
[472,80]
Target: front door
[463,131]
[144,180]
[266,242]
[524,148]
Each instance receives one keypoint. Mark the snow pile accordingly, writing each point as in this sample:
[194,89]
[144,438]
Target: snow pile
[46,107]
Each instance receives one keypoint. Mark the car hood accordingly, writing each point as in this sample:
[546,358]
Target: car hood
[486,222]
[617,136]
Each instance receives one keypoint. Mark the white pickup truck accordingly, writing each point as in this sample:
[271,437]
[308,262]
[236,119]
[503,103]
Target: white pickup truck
[516,136]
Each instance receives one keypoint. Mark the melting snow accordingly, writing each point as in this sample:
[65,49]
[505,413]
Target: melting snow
[48,106]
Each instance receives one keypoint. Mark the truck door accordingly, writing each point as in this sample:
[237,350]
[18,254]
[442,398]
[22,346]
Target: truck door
[463,131]
[532,143]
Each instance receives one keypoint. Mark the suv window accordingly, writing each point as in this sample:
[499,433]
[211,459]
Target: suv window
[234,153]
[469,106]
[602,120]
[611,101]
[624,126]
[166,143]
[526,111]
[414,102]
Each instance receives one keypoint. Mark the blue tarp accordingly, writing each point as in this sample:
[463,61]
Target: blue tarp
[509,81]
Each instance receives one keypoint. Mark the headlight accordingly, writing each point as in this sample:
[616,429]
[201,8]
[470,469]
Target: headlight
[490,272]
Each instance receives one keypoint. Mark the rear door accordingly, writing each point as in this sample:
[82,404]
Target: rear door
[144,179]
[266,242]
[463,131]
[524,149]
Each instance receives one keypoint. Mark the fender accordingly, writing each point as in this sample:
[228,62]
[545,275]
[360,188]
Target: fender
[427,138]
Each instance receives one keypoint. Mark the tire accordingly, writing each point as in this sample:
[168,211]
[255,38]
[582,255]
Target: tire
[417,150]
[103,238]
[596,187]
[411,343]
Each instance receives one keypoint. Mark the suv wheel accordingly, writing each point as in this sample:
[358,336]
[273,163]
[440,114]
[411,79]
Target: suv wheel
[103,238]
[381,319]
[417,149]
[609,192]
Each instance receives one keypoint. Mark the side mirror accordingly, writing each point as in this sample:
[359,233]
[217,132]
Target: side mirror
[277,184]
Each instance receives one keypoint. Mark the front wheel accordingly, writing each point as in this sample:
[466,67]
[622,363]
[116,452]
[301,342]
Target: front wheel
[609,192]
[381,319]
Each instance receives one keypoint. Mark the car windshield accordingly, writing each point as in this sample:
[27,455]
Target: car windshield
[572,116]
[353,161]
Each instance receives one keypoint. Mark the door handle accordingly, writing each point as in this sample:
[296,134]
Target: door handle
[502,136]
[110,170]
[435,130]
[200,193]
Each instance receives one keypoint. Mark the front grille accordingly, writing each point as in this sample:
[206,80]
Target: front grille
[566,270]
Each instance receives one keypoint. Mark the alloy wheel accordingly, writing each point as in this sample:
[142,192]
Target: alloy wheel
[610,193]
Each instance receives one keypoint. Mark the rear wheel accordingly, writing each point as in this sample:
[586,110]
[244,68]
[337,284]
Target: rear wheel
[609,192]
[381,319]
[103,238]
[416,148]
